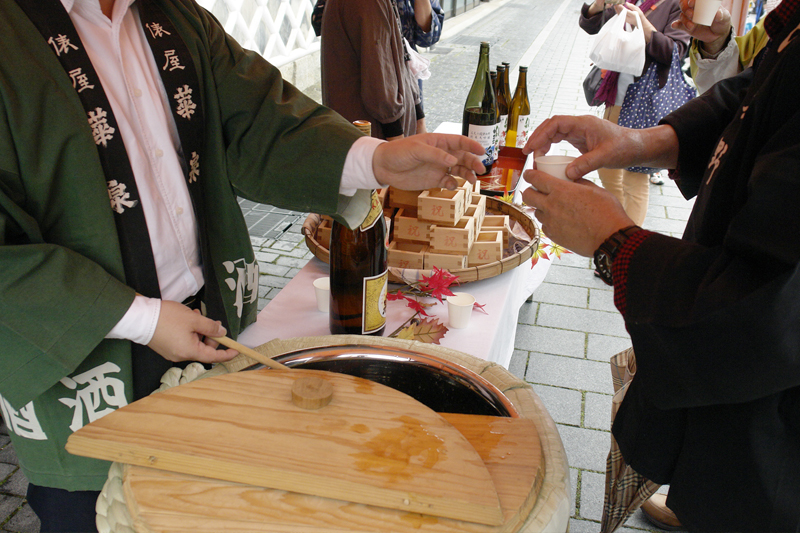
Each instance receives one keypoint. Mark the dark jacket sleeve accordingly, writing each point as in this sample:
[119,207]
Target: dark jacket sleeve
[717,320]
[699,124]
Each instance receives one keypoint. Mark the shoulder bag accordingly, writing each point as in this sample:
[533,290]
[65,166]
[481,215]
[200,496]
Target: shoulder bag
[645,104]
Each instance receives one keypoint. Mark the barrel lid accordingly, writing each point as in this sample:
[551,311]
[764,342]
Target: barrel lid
[370,444]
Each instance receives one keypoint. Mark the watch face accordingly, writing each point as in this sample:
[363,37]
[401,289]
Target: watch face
[602,263]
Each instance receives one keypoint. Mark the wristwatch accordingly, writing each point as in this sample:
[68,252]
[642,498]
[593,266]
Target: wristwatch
[604,256]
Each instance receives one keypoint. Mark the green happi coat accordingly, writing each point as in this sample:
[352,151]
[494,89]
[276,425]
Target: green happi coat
[63,288]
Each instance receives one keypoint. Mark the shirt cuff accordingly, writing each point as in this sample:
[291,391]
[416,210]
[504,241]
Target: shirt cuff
[138,324]
[619,269]
[357,172]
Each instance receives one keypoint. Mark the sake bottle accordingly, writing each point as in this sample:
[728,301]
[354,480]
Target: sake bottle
[493,75]
[359,274]
[480,110]
[519,115]
[502,103]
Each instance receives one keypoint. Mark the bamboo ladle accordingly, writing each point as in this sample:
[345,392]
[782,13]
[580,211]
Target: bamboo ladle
[249,352]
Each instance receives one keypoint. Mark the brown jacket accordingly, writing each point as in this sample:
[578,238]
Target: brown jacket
[364,72]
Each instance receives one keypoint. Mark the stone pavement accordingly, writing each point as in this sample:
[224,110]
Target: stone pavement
[567,333]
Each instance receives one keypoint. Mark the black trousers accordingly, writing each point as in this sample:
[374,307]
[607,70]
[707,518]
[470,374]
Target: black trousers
[62,511]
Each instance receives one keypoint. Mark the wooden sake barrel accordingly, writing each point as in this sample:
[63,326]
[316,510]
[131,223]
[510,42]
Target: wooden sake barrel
[517,461]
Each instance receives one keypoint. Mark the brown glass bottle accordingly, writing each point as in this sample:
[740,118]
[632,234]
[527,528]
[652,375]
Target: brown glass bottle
[359,275]
[519,114]
[503,101]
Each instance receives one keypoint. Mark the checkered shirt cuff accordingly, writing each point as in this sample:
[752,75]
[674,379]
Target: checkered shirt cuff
[619,269]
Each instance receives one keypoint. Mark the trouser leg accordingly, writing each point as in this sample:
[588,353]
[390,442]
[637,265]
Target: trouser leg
[636,192]
[64,511]
[632,189]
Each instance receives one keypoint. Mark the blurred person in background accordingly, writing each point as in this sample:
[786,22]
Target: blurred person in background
[421,21]
[632,189]
[716,52]
[365,70]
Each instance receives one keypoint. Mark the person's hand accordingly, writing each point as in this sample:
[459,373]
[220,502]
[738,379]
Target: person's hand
[629,10]
[427,161]
[421,128]
[180,335]
[713,36]
[578,214]
[630,18]
[604,144]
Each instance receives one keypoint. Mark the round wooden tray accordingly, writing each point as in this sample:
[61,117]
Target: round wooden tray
[493,206]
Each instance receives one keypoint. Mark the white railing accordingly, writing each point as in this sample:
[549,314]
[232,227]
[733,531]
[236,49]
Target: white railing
[279,30]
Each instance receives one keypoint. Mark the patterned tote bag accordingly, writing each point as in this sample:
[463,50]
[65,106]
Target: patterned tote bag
[645,104]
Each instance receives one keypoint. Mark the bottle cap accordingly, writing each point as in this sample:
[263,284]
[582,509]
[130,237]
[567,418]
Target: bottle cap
[364,125]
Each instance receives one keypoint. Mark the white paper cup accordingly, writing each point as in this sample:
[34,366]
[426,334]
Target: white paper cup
[555,165]
[322,288]
[705,11]
[459,308]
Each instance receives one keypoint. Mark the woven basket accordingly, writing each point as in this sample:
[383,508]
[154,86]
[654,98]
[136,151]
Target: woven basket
[493,206]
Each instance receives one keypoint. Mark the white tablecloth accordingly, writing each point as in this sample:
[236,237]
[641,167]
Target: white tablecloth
[293,312]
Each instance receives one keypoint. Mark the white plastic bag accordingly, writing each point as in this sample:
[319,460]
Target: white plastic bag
[418,63]
[618,49]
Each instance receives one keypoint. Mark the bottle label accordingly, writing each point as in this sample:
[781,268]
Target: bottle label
[374,303]
[523,130]
[503,129]
[486,136]
[375,212]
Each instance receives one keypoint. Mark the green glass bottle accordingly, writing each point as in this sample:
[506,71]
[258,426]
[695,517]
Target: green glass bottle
[480,110]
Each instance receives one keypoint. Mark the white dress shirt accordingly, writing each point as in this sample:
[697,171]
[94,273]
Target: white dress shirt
[130,77]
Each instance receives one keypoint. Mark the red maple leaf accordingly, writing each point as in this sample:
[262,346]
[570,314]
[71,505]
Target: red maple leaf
[417,307]
[438,284]
[392,296]
[480,307]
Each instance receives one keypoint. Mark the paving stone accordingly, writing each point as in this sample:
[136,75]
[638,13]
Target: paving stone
[602,300]
[273,270]
[272,281]
[266,257]
[557,294]
[16,484]
[293,262]
[586,448]
[584,320]
[24,521]
[602,347]
[550,341]
[564,405]
[6,469]
[597,411]
[9,505]
[573,260]
[518,363]
[578,277]
[592,491]
[574,486]
[569,373]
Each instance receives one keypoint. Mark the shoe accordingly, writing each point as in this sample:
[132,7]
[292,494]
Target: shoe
[657,513]
[656,178]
